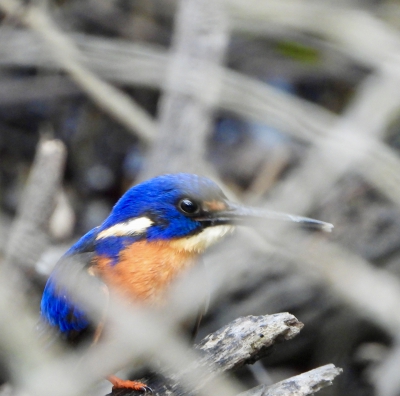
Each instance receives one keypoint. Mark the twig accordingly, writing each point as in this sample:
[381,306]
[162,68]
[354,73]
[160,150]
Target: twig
[386,374]
[301,385]
[382,169]
[28,236]
[146,66]
[338,24]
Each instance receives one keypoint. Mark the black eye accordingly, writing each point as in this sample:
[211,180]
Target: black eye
[188,206]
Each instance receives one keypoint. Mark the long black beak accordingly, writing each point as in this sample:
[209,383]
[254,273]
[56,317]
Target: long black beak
[244,215]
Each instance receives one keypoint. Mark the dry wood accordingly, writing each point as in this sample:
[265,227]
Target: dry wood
[247,339]
[243,341]
[304,384]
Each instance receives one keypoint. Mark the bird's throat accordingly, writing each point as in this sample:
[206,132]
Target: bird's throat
[198,243]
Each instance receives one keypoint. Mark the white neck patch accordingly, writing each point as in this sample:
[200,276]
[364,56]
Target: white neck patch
[128,228]
[201,241]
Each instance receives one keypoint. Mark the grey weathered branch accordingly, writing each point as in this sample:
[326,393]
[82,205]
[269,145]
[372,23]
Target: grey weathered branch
[247,339]
[243,341]
[301,385]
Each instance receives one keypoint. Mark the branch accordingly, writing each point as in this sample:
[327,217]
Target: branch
[28,236]
[304,384]
[247,339]
[243,341]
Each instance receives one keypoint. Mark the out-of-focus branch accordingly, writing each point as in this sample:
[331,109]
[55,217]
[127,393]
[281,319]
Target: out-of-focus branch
[386,375]
[241,94]
[65,53]
[146,66]
[345,145]
[301,385]
[382,169]
[374,292]
[359,34]
[191,89]
[18,336]
[28,236]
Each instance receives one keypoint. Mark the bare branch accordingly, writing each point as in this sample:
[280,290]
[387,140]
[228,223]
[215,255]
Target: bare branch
[248,339]
[301,385]
[243,341]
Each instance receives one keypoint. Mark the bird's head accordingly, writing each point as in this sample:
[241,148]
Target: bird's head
[188,210]
[176,207]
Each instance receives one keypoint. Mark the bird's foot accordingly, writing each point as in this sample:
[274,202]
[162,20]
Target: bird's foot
[119,384]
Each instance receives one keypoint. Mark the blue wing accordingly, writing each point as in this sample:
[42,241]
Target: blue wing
[57,308]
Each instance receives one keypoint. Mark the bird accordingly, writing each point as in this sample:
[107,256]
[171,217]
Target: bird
[155,231]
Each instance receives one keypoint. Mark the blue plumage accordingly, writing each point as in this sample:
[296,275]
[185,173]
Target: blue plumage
[112,246]
[59,311]
[155,199]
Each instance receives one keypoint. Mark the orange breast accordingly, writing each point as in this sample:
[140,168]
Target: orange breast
[145,270]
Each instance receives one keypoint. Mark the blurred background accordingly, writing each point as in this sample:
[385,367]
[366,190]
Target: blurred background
[291,105]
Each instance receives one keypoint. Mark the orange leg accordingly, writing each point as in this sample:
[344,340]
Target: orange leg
[118,383]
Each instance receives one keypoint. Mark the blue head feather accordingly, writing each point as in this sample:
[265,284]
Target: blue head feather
[157,199]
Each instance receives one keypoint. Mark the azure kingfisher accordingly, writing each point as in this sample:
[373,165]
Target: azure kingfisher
[156,230]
